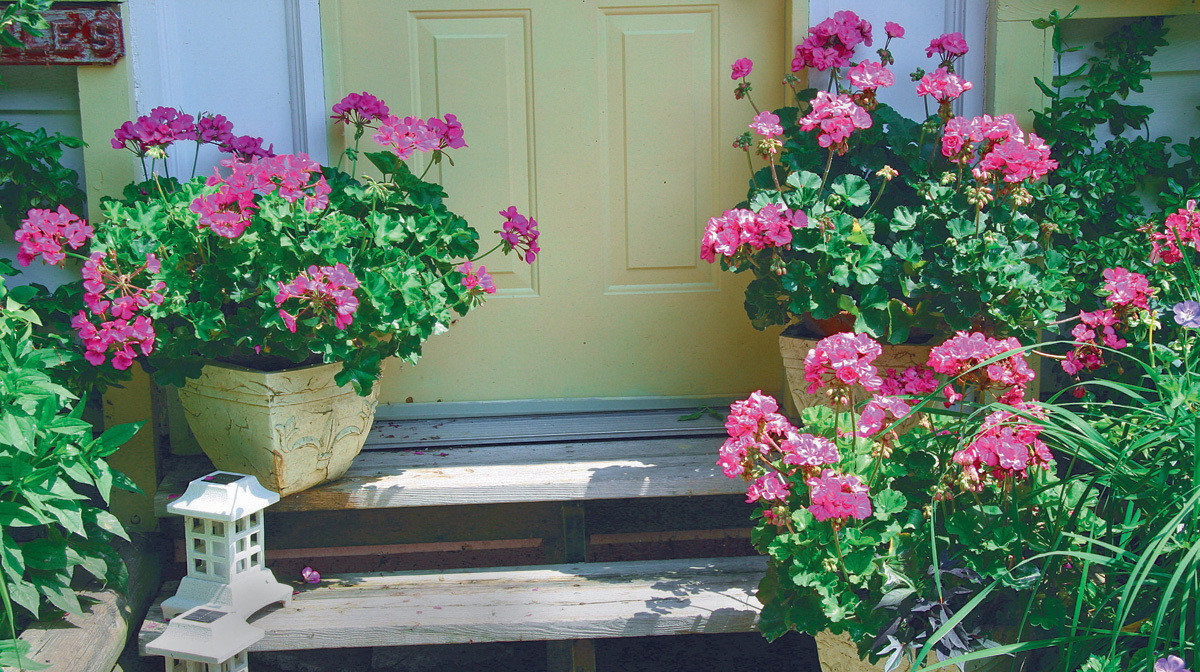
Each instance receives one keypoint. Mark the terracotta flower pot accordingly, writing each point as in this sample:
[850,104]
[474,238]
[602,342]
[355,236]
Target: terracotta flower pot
[291,429]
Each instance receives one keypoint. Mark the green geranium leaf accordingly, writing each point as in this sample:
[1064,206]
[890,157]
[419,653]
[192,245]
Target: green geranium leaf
[888,503]
[852,188]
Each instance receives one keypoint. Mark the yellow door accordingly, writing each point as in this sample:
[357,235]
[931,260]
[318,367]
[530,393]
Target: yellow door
[612,126]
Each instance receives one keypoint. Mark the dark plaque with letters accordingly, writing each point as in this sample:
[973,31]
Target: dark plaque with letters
[78,35]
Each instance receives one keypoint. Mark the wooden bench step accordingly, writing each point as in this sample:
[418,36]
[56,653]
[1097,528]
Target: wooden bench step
[540,472]
[556,602]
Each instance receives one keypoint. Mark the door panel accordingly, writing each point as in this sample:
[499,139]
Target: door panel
[612,126]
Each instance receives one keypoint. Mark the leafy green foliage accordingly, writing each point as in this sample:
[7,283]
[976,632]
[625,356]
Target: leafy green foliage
[1103,192]
[32,175]
[54,482]
[396,236]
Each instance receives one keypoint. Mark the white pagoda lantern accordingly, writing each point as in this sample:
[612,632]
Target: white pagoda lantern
[203,639]
[223,531]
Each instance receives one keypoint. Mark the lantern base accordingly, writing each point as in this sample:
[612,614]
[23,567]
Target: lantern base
[247,593]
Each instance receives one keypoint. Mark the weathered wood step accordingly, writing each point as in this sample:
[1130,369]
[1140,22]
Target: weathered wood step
[421,433]
[539,472]
[557,602]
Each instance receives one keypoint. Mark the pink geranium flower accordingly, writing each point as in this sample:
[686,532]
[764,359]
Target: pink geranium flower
[1126,288]
[359,109]
[831,43]
[767,125]
[949,45]
[327,292]
[870,75]
[842,360]
[43,233]
[770,486]
[406,136]
[837,497]
[943,85]
[741,68]
[476,279]
[520,233]
[836,117]
[893,29]
[961,356]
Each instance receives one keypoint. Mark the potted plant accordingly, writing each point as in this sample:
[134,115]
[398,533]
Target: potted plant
[275,287]
[859,218]
[1066,530]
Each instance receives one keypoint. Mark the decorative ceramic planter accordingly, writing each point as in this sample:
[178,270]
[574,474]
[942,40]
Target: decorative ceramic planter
[291,429]
[794,350]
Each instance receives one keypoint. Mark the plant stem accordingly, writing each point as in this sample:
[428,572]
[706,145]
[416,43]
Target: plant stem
[775,177]
[751,101]
[488,252]
[358,133]
[837,546]
[750,164]
[828,166]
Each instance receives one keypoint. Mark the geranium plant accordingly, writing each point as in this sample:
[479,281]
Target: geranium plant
[857,210]
[274,261]
[939,511]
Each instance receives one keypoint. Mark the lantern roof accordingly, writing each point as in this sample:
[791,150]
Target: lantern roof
[223,495]
[205,634]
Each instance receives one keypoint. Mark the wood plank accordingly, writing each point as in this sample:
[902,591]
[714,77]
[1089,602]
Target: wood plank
[508,474]
[392,434]
[560,602]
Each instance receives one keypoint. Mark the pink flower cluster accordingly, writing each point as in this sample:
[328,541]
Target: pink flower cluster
[214,129]
[767,125]
[411,134]
[913,381]
[960,356]
[870,75]
[758,433]
[43,232]
[115,299]
[1095,329]
[843,360]
[1127,292]
[157,130]
[520,233]
[1126,288]
[948,45]
[359,109]
[325,290]
[998,147]
[837,117]
[151,134]
[476,279]
[741,68]
[836,496]
[230,210]
[1006,446]
[246,147]
[831,43]
[1182,227]
[770,226]
[1018,161]
[943,86]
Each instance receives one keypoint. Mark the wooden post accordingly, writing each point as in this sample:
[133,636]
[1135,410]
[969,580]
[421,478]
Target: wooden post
[571,655]
[138,458]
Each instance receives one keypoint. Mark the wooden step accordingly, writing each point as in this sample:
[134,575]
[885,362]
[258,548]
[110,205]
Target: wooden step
[536,472]
[555,602]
